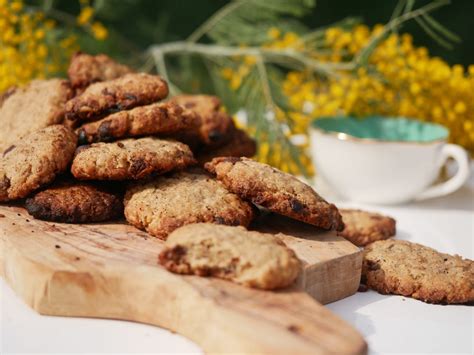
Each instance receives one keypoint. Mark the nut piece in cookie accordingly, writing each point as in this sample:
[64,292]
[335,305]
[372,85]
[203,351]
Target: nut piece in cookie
[119,94]
[363,227]
[239,144]
[35,161]
[155,119]
[130,159]
[86,69]
[37,105]
[413,270]
[169,202]
[273,189]
[249,258]
[215,124]
[76,202]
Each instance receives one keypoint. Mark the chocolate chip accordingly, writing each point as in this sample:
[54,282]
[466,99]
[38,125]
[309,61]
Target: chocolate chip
[296,205]
[57,246]
[82,137]
[104,131]
[120,144]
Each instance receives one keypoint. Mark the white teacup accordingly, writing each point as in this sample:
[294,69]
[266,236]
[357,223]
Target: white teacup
[385,160]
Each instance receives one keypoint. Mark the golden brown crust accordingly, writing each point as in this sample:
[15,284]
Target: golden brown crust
[75,202]
[123,93]
[249,258]
[35,106]
[363,227]
[130,159]
[155,119]
[86,69]
[35,160]
[239,144]
[216,124]
[413,270]
[170,202]
[279,192]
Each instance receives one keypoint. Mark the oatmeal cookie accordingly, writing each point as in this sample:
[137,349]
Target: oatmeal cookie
[130,159]
[363,227]
[38,105]
[155,119]
[119,94]
[215,124]
[249,258]
[238,145]
[273,189]
[35,160]
[86,69]
[168,202]
[413,270]
[76,202]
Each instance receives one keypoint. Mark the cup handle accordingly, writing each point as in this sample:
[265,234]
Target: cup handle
[460,156]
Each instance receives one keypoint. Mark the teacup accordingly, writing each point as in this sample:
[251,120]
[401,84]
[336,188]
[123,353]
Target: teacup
[385,160]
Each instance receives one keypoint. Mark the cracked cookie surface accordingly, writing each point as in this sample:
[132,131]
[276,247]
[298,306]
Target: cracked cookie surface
[168,202]
[233,253]
[35,160]
[413,270]
[119,94]
[273,189]
[130,159]
[155,119]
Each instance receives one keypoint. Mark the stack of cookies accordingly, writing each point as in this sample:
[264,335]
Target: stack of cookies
[108,144]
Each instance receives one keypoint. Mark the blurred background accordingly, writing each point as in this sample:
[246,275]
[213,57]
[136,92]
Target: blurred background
[277,65]
[148,21]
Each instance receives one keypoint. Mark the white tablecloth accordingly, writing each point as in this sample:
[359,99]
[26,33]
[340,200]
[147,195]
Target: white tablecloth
[390,324]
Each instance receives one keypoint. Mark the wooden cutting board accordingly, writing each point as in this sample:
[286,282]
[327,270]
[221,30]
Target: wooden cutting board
[111,271]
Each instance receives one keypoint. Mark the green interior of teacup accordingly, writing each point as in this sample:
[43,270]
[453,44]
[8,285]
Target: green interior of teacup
[383,128]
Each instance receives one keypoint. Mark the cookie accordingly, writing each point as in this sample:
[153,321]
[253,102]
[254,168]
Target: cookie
[130,159]
[75,202]
[37,105]
[362,227]
[239,144]
[273,189]
[169,202]
[249,258]
[413,270]
[86,69]
[35,160]
[215,124]
[155,119]
[119,94]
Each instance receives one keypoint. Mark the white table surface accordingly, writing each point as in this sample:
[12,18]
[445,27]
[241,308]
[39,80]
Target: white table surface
[390,324]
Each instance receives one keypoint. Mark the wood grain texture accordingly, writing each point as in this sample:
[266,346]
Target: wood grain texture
[111,271]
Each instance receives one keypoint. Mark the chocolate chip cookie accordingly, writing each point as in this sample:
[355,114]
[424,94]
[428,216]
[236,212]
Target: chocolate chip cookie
[363,227]
[273,189]
[215,124]
[249,258]
[35,160]
[413,270]
[130,159]
[119,94]
[37,105]
[155,119]
[76,202]
[86,69]
[168,202]
[239,144]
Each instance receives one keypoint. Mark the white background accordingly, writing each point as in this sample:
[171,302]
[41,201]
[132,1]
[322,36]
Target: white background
[390,324]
